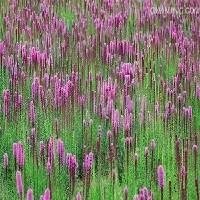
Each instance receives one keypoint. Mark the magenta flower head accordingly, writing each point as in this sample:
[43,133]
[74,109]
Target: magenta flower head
[20,154]
[88,162]
[49,167]
[47,195]
[33,134]
[61,152]
[161,176]
[145,192]
[146,151]
[78,196]
[90,122]
[5,159]
[195,148]
[15,150]
[126,193]
[29,195]
[109,133]
[19,183]
[183,171]
[128,140]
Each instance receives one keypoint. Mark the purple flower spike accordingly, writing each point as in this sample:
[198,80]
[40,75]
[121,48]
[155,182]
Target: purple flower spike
[78,196]
[195,148]
[126,193]
[161,176]
[146,151]
[49,167]
[61,152]
[15,150]
[109,134]
[30,194]
[145,192]
[19,183]
[47,194]
[20,154]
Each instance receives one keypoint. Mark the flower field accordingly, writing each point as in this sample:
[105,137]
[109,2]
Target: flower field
[99,100]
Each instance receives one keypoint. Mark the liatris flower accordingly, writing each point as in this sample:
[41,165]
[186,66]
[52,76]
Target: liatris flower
[50,151]
[128,142]
[127,129]
[161,176]
[19,184]
[34,89]
[145,192]
[20,155]
[30,194]
[183,174]
[146,152]
[78,196]
[87,165]
[161,179]
[47,194]
[49,168]
[72,165]
[152,196]
[61,152]
[6,99]
[126,193]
